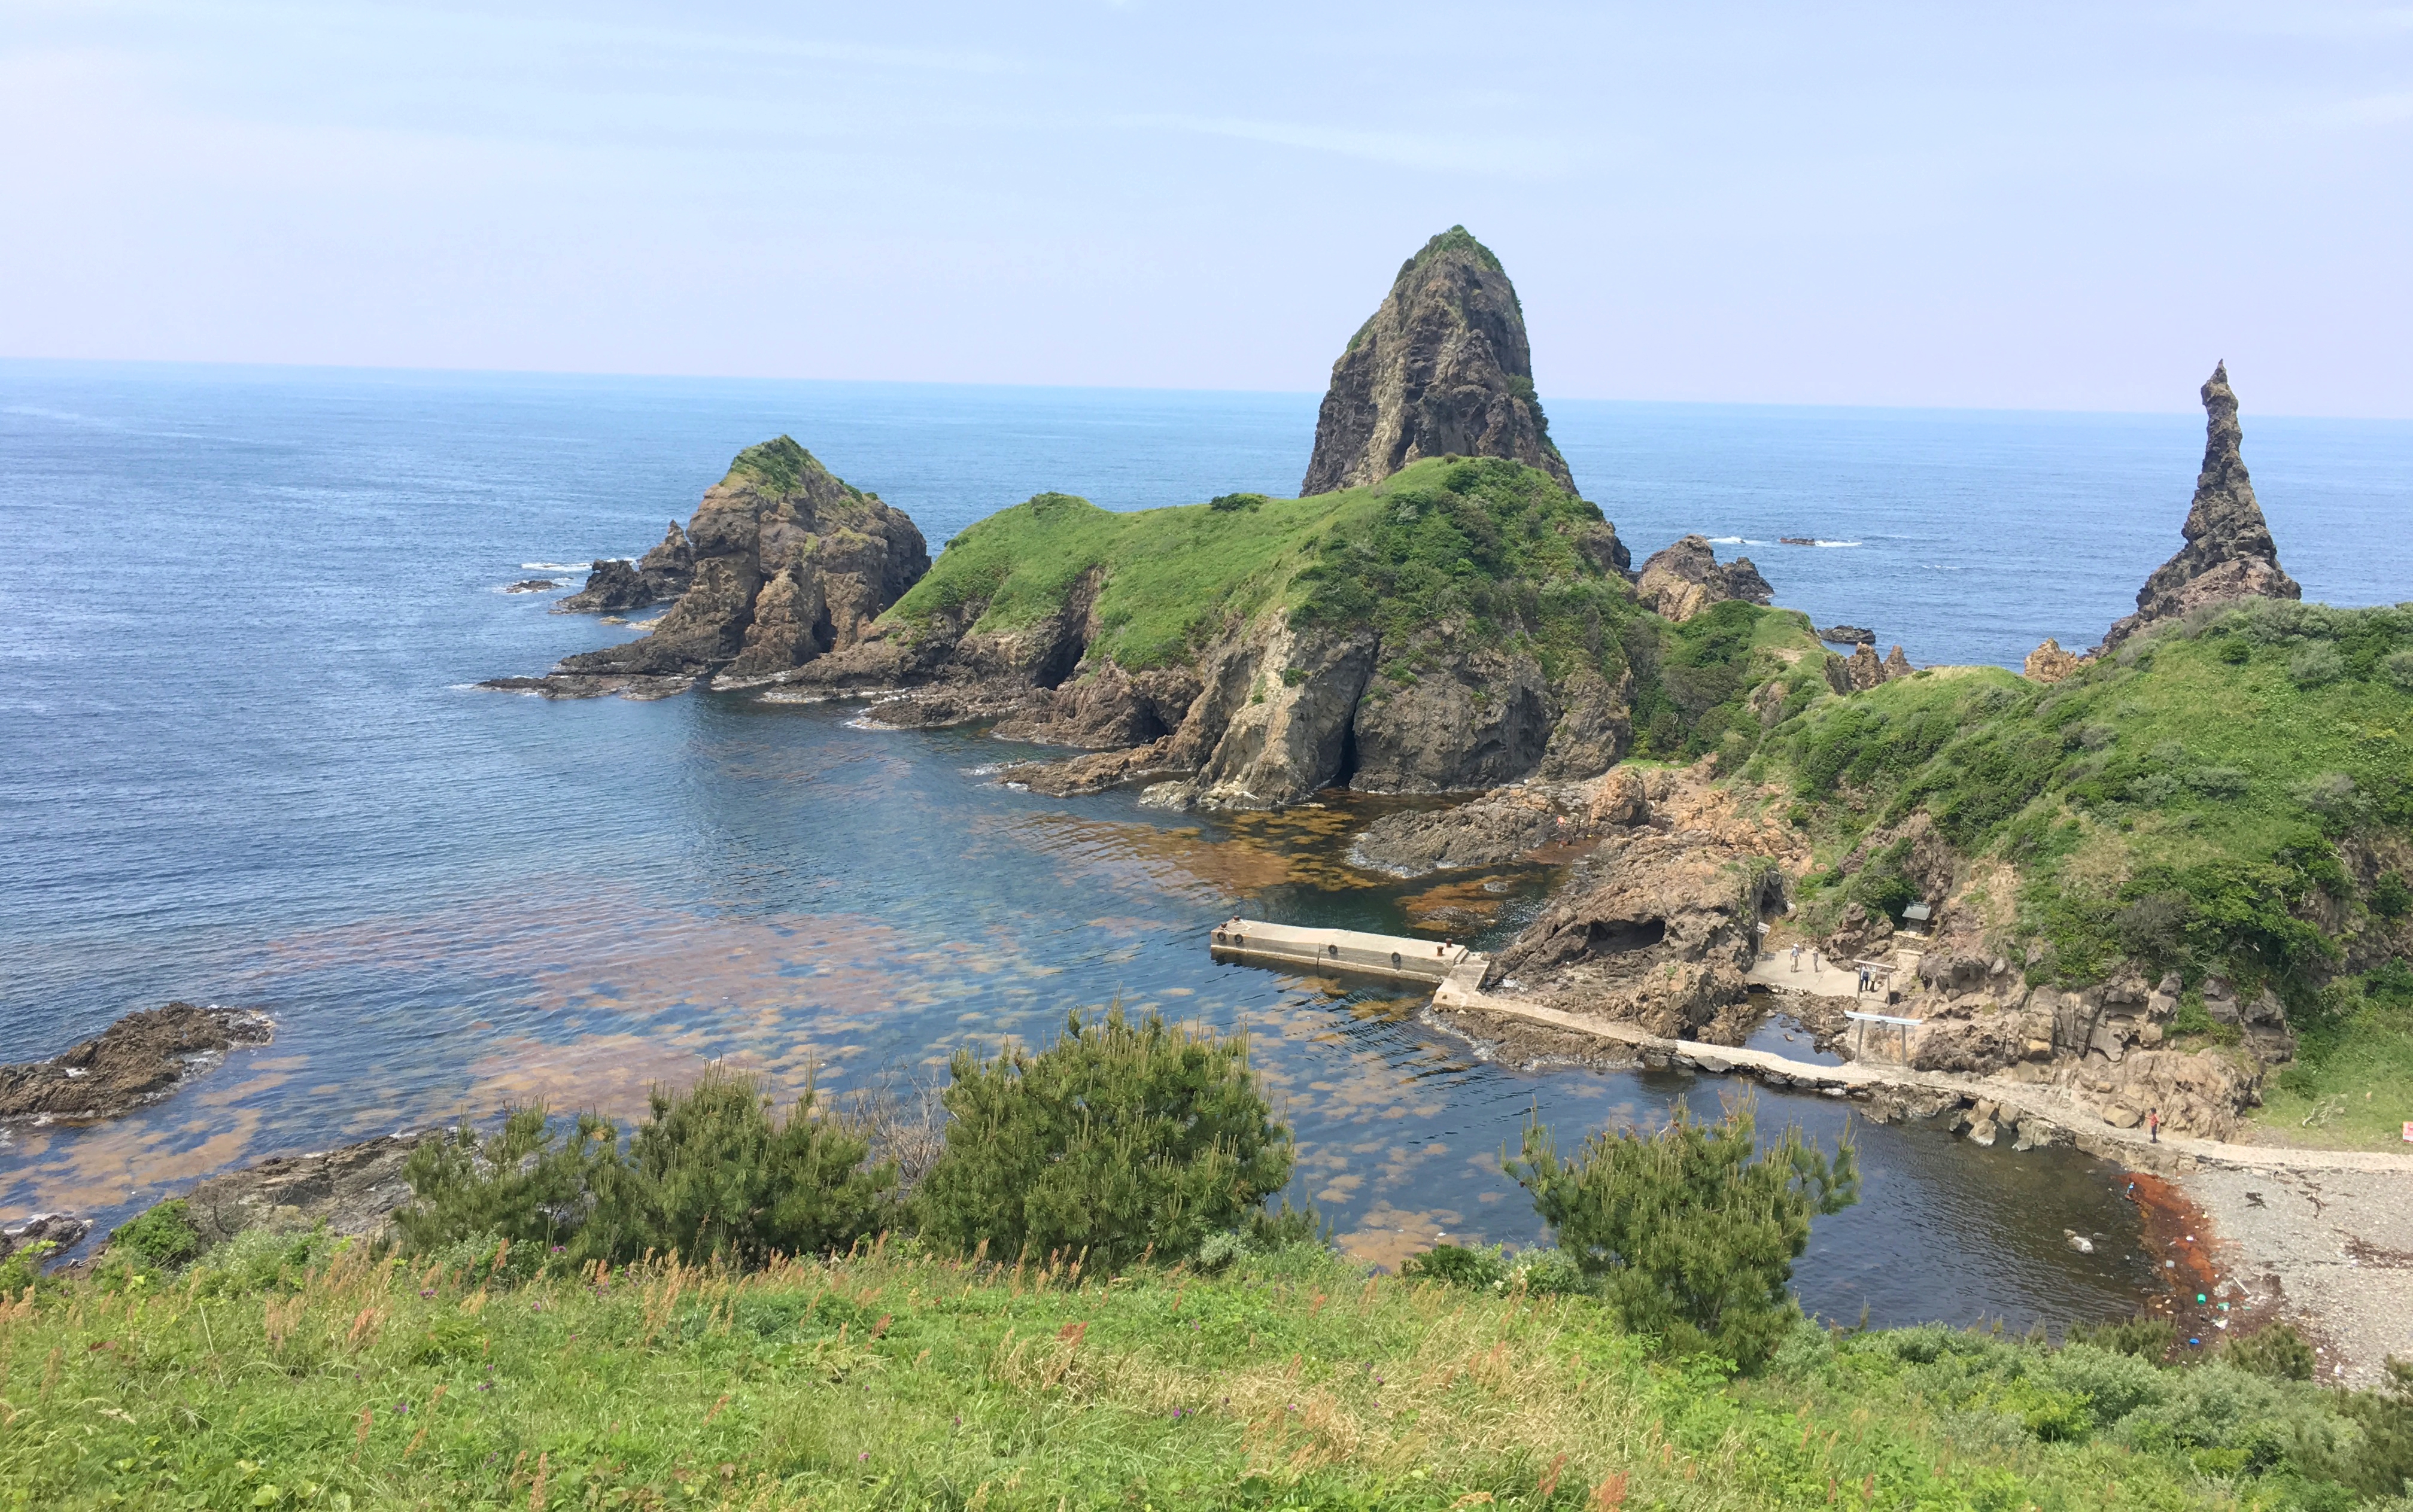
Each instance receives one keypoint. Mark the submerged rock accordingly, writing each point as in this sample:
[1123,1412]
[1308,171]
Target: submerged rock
[1442,368]
[139,1059]
[1687,578]
[2229,553]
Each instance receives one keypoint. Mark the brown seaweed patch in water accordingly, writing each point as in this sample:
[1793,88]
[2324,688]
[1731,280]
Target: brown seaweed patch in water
[1386,1235]
[97,1168]
[606,1073]
[1148,857]
[1453,907]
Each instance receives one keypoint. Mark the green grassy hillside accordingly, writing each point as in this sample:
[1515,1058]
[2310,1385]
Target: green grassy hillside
[2233,795]
[288,1373]
[1493,550]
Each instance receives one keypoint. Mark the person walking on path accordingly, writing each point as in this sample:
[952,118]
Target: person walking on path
[2153,1125]
[1797,956]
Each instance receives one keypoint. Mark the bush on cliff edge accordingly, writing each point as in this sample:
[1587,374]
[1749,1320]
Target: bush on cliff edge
[1688,1234]
[1120,1138]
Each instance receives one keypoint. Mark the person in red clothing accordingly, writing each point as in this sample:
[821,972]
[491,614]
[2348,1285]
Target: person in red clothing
[2153,1125]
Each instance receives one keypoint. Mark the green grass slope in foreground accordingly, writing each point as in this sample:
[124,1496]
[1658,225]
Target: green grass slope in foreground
[1450,552]
[2233,796]
[293,1372]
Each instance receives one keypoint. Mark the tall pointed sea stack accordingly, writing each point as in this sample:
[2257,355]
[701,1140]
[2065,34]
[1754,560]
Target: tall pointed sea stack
[1442,368]
[2229,552]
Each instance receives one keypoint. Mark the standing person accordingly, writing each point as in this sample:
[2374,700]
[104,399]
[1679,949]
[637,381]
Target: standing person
[1797,954]
[2153,1125]
[1814,963]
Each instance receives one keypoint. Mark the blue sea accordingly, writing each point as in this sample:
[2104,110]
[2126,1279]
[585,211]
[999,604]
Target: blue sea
[242,761]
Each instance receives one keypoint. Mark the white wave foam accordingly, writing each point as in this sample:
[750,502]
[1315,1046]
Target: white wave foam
[1723,540]
[556,567]
[1816,542]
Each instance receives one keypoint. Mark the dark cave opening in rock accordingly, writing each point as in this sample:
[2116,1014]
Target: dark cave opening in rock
[1610,936]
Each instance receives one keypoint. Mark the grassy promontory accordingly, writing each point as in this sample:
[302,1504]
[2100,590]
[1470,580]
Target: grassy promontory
[293,1372]
[2232,796]
[1449,553]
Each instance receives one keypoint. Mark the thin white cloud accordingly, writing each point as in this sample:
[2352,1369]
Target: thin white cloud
[1508,156]
[2375,109]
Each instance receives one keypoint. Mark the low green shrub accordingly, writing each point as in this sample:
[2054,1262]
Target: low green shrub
[1120,1139]
[161,1236]
[711,1174]
[2278,1351]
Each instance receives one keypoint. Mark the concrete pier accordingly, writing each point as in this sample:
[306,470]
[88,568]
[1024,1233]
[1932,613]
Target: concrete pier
[1393,957]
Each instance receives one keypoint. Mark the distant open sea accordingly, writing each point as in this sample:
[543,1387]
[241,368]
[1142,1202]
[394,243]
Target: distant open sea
[241,760]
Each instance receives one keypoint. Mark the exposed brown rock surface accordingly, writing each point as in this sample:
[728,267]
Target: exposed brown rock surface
[782,563]
[138,1059]
[2229,553]
[1442,368]
[351,1189]
[612,586]
[1686,578]
[1661,920]
[2050,664]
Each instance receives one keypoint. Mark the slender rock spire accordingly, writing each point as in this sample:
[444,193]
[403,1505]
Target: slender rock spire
[2229,553]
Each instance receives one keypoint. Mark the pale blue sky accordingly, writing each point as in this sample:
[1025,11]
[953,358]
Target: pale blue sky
[2057,206]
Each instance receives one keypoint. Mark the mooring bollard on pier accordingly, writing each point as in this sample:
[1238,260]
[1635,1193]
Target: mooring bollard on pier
[1396,958]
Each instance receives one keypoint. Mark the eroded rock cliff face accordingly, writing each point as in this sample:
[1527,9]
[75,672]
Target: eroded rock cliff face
[1443,368]
[1660,921]
[782,563]
[1686,578]
[2229,553]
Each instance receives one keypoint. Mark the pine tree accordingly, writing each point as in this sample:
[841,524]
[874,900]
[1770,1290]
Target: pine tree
[1117,1138]
[1691,1232]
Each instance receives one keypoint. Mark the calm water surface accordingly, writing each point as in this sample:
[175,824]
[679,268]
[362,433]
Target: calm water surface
[239,762]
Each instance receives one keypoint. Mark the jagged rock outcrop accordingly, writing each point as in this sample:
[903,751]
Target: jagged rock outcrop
[2050,664]
[1862,670]
[614,587]
[1848,635]
[1686,578]
[1661,920]
[1442,368]
[2229,553]
[352,1189]
[139,1059]
[782,563]
[1503,825]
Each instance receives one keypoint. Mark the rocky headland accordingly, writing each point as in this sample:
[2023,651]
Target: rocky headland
[139,1059]
[783,563]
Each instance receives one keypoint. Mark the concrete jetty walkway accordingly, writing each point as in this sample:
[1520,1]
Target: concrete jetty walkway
[1457,975]
[2174,1154]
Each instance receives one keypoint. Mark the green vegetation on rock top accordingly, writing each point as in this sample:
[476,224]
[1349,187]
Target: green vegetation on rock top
[2233,795]
[1485,540]
[778,466]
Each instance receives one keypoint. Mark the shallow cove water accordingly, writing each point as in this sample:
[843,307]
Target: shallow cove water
[239,762]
